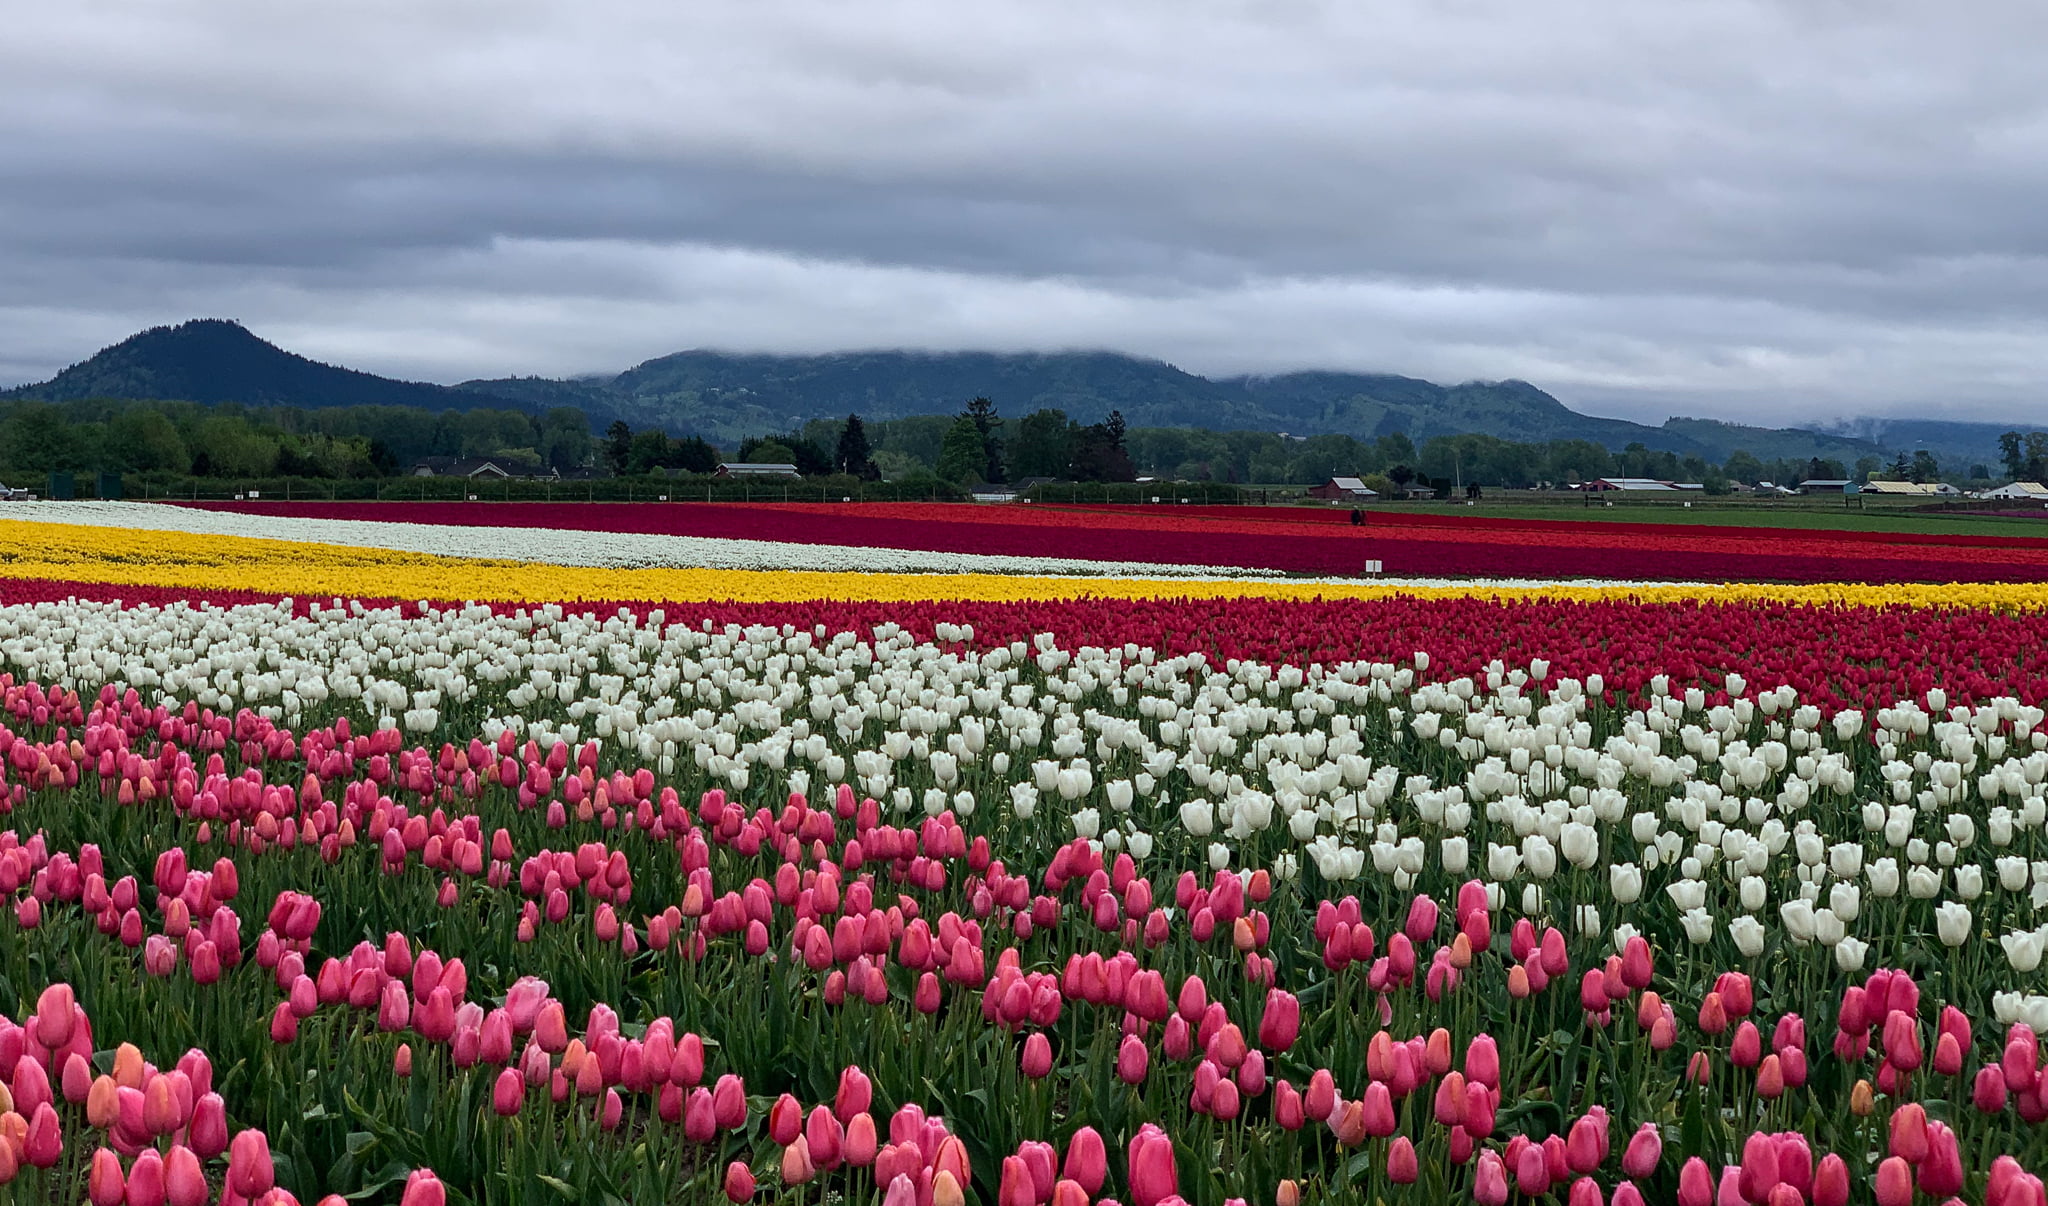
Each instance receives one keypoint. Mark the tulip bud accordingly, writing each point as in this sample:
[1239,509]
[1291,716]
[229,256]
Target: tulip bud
[739,1182]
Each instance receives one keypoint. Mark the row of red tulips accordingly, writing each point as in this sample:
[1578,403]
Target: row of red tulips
[1833,656]
[1480,549]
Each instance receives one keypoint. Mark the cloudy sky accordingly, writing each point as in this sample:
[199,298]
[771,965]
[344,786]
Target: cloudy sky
[1787,210]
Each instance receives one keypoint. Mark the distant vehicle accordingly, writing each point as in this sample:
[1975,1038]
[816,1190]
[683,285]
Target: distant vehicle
[9,495]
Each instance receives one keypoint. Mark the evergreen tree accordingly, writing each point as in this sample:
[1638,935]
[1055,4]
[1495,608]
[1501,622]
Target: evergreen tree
[988,424]
[618,446]
[853,455]
[963,455]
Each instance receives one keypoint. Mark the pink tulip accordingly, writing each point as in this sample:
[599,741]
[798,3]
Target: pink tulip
[739,1182]
[796,1162]
[106,1185]
[1153,1177]
[1941,1173]
[1280,1024]
[423,1188]
[1015,1188]
[1988,1091]
[1894,1186]
[249,1168]
[1695,1183]
[1037,1058]
[855,1093]
[184,1182]
[1402,1166]
[1132,1057]
[1490,1180]
[508,1095]
[1087,1161]
[1645,1149]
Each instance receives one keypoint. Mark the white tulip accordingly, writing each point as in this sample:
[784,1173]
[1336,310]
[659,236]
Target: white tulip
[1799,919]
[1828,929]
[1923,883]
[2023,949]
[1952,923]
[1579,844]
[1219,856]
[1883,875]
[1456,853]
[1699,925]
[1198,817]
[1849,954]
[1845,901]
[1752,892]
[1532,899]
[1588,918]
[1624,882]
[1087,823]
[1748,934]
[1969,879]
[1686,893]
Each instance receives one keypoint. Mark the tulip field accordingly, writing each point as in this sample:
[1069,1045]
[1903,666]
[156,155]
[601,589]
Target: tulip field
[692,854]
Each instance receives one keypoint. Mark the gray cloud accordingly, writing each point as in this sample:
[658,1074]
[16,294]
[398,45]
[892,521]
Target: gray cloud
[1753,210]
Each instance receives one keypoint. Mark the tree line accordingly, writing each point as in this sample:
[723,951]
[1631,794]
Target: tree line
[977,444]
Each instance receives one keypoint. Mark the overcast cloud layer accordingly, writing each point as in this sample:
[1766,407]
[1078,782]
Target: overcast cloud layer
[1768,211]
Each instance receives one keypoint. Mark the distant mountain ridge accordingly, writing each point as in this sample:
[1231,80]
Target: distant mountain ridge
[726,396]
[215,360]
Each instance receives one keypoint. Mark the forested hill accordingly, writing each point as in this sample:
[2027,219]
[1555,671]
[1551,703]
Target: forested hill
[728,396]
[213,360]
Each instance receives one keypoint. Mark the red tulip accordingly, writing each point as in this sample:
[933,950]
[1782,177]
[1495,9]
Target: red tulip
[1831,1181]
[785,1120]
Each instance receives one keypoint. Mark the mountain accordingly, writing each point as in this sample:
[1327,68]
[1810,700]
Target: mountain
[1958,444]
[214,360]
[727,396]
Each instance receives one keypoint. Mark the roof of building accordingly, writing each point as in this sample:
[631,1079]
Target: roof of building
[755,467]
[1876,486]
[1825,481]
[1352,484]
[1631,483]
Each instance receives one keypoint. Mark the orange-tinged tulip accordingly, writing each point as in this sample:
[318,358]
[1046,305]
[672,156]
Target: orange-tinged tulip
[796,1162]
[106,1185]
